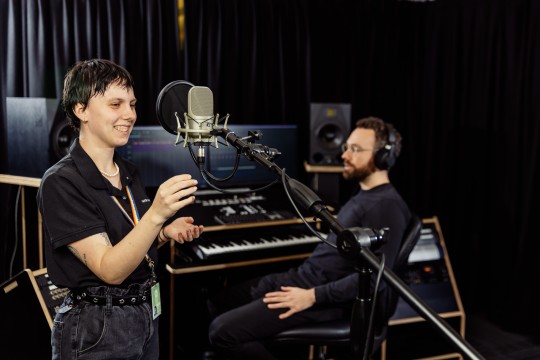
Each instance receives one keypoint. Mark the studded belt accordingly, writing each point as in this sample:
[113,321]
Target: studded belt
[116,300]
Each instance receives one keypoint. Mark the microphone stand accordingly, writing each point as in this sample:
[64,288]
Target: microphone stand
[352,244]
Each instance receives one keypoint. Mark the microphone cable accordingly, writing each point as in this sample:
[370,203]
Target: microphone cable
[203,174]
[201,168]
[313,231]
[206,174]
[369,333]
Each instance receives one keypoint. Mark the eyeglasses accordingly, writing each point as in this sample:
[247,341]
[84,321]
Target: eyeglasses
[354,148]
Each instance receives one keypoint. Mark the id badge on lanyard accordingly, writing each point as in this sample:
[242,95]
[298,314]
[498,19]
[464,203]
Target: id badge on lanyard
[134,219]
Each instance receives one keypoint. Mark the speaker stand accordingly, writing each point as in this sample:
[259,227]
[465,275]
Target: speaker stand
[325,181]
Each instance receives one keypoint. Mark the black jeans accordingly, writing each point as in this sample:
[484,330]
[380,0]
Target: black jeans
[83,330]
[245,326]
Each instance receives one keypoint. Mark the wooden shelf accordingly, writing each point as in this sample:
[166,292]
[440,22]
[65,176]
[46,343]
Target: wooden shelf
[19,180]
[329,169]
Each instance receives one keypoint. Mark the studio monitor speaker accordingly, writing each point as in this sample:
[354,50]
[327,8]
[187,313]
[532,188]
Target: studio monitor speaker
[38,134]
[330,125]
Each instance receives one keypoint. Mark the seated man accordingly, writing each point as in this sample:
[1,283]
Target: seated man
[325,285]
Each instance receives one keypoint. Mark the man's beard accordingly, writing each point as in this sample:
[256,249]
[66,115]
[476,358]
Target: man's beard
[360,174]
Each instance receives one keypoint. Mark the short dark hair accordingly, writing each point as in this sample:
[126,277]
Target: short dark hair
[89,78]
[382,129]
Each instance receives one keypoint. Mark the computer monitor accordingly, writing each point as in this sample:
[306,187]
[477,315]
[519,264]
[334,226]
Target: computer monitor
[152,149]
[283,138]
[154,152]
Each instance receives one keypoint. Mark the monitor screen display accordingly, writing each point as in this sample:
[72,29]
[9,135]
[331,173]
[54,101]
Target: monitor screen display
[154,152]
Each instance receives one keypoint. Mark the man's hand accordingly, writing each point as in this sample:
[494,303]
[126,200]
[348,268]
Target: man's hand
[293,298]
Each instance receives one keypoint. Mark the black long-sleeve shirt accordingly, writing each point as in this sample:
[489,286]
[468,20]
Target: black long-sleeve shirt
[334,278]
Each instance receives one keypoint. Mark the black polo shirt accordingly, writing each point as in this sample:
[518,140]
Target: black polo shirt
[75,202]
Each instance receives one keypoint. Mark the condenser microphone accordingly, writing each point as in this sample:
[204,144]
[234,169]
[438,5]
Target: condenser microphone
[199,120]
[199,124]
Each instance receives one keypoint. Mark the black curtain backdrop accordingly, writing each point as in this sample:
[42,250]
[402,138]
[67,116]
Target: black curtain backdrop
[255,57]
[43,38]
[3,56]
[460,79]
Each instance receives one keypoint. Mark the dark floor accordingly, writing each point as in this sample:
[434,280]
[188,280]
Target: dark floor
[494,343]
[486,338]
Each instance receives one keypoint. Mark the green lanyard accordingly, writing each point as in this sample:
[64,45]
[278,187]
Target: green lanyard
[134,221]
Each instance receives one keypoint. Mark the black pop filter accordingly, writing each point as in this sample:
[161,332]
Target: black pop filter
[172,99]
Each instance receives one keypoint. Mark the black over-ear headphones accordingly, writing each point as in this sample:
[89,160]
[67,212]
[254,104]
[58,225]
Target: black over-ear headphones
[385,157]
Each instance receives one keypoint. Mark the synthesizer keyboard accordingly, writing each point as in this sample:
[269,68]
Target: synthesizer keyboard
[255,243]
[52,295]
[256,215]
[212,208]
